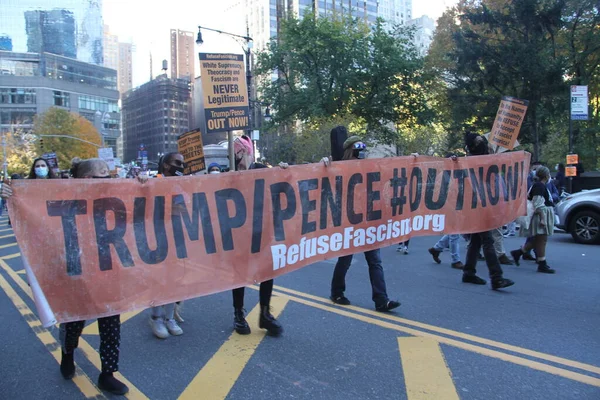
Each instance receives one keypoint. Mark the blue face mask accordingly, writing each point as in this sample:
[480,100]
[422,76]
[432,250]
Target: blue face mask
[41,172]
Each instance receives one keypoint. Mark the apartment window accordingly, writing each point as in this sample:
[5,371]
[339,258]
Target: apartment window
[17,96]
[62,99]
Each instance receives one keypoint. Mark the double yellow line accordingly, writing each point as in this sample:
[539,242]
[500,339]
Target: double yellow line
[452,338]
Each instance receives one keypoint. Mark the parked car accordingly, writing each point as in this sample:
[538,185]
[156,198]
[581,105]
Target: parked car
[579,215]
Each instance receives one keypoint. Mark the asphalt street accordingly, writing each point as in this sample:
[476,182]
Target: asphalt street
[539,339]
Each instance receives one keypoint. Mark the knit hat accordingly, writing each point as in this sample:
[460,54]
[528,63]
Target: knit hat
[213,165]
[350,141]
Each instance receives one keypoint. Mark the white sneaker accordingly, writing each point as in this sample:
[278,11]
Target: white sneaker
[400,248]
[173,328]
[405,250]
[158,328]
[177,315]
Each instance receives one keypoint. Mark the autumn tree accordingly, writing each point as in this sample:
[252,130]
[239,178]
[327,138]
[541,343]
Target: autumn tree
[57,121]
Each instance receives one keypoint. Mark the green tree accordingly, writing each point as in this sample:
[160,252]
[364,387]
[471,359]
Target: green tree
[337,68]
[20,152]
[57,121]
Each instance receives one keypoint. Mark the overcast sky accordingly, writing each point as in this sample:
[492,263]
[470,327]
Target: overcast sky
[147,24]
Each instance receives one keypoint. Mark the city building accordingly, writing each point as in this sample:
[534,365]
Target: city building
[69,28]
[263,16]
[118,56]
[31,83]
[154,115]
[424,30]
[183,54]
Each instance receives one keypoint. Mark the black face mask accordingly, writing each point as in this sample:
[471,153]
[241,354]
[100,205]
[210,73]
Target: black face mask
[176,171]
[359,154]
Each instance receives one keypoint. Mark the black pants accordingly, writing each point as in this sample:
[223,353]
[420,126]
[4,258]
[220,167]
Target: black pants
[264,293]
[485,240]
[373,257]
[110,340]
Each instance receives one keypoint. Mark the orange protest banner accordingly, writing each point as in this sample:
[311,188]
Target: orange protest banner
[508,122]
[571,171]
[572,159]
[101,247]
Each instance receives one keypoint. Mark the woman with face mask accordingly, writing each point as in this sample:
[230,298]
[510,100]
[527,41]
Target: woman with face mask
[109,327]
[214,168]
[40,170]
[163,319]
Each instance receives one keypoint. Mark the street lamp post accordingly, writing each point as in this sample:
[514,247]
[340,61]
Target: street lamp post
[247,52]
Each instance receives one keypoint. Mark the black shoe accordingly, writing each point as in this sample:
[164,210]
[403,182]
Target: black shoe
[504,260]
[435,254]
[544,268]
[268,322]
[501,283]
[67,366]
[342,300]
[107,382]
[528,257]
[517,254]
[389,305]
[239,322]
[473,279]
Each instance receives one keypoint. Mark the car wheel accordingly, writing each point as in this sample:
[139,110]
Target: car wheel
[585,227]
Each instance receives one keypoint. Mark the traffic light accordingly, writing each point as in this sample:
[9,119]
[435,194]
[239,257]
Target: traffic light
[42,143]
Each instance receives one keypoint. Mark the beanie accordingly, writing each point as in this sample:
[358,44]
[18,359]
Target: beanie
[350,141]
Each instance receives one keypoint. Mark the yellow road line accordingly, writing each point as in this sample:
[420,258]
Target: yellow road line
[516,349]
[8,245]
[91,353]
[7,236]
[346,312]
[11,256]
[217,377]
[426,374]
[81,380]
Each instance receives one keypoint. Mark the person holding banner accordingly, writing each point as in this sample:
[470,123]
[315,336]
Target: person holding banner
[163,319]
[477,145]
[266,320]
[108,327]
[354,149]
[40,170]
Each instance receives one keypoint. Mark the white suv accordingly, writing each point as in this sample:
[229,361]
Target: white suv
[579,215]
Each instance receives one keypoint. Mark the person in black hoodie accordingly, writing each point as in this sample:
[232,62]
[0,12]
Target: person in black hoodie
[477,145]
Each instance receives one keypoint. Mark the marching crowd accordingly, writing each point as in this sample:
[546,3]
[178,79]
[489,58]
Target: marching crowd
[165,319]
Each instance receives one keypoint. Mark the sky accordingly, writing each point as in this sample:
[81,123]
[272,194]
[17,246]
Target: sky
[147,24]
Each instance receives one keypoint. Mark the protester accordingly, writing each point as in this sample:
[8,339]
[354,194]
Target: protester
[244,159]
[13,177]
[266,320]
[477,145]
[354,149]
[214,168]
[162,318]
[499,246]
[109,327]
[40,170]
[542,222]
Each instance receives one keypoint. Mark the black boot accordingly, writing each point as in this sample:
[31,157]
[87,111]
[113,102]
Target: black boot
[544,268]
[268,322]
[516,255]
[239,322]
[67,365]
[106,381]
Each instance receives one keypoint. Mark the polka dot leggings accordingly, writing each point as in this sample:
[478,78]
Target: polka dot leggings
[110,339]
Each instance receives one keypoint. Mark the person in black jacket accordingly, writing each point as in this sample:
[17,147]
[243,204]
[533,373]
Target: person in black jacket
[477,145]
